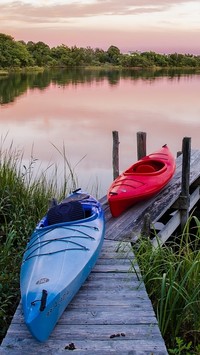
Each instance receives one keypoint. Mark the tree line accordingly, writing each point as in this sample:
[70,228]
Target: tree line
[18,54]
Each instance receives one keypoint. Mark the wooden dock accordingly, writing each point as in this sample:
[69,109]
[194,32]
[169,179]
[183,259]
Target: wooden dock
[111,314]
[164,209]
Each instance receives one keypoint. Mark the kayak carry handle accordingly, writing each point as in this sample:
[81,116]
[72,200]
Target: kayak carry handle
[43,300]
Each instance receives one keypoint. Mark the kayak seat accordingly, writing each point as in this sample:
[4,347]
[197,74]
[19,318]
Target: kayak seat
[145,169]
[65,212]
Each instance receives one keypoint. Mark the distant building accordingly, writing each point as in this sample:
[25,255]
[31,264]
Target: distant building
[133,52]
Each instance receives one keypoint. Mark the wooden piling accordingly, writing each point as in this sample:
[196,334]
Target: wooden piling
[115,154]
[185,184]
[146,227]
[141,145]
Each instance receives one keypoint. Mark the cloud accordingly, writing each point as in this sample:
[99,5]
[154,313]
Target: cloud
[125,23]
[18,11]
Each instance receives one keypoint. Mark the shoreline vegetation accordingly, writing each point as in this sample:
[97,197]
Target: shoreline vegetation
[31,56]
[170,273]
[105,67]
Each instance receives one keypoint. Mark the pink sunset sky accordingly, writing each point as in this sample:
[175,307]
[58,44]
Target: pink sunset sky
[163,26]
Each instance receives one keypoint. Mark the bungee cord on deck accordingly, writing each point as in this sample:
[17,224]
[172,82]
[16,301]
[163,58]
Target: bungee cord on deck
[39,244]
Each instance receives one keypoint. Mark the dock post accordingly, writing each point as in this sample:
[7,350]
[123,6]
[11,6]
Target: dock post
[141,145]
[115,154]
[146,227]
[185,195]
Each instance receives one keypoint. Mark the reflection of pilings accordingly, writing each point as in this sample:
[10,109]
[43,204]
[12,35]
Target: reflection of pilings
[115,154]
[185,195]
[141,145]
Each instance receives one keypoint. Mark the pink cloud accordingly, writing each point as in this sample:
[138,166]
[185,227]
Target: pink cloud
[57,24]
[19,11]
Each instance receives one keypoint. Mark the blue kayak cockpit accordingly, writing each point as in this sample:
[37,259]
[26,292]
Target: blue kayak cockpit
[74,208]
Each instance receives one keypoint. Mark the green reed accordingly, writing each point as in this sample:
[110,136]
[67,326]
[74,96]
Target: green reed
[24,198]
[171,274]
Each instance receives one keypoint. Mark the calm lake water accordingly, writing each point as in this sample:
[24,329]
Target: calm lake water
[78,110]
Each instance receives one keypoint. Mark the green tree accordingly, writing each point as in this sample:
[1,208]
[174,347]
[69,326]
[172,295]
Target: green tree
[12,53]
[113,54]
[77,56]
[100,56]
[40,52]
[134,60]
[156,59]
[175,59]
[22,54]
[61,54]
[89,56]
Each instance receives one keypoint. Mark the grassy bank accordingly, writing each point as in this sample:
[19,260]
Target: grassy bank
[171,273]
[21,70]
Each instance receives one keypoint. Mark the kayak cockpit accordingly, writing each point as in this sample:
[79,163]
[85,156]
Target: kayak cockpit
[147,167]
[68,212]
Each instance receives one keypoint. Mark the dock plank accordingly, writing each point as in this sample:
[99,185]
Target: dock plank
[111,313]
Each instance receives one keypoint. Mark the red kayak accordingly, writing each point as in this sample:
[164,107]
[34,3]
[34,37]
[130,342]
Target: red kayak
[141,181]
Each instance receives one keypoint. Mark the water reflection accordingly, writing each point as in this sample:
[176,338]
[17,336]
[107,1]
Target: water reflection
[79,109]
[15,84]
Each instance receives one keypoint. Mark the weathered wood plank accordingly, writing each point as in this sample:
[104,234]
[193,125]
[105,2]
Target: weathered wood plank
[94,316]
[119,345]
[83,332]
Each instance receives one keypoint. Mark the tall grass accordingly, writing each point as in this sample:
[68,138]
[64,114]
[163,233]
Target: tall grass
[171,274]
[24,199]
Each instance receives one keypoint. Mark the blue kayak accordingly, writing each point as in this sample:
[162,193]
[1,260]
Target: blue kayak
[59,256]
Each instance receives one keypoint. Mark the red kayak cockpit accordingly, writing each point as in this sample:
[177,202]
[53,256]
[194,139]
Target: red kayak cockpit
[147,167]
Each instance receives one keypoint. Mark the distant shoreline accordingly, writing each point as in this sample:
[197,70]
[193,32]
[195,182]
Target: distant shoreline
[4,72]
